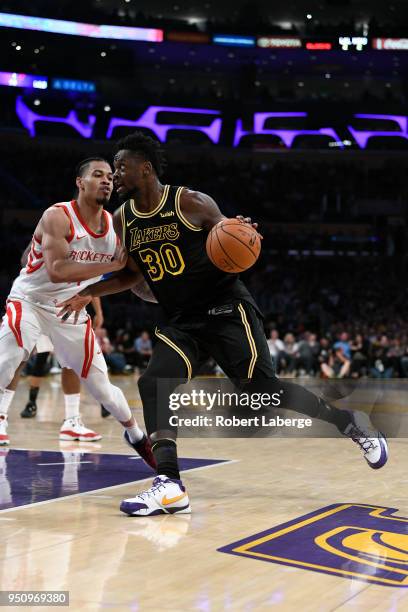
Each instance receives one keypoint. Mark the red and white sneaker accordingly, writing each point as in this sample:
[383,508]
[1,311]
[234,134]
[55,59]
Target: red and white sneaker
[4,439]
[74,429]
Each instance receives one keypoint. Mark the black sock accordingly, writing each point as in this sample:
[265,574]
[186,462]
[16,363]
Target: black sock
[340,418]
[33,394]
[165,453]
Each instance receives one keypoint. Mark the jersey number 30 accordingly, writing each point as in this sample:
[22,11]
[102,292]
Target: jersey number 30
[167,259]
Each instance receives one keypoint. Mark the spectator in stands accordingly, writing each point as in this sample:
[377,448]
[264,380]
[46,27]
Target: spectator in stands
[381,363]
[359,354]
[143,347]
[125,344]
[308,351]
[338,365]
[289,356]
[404,360]
[116,360]
[275,345]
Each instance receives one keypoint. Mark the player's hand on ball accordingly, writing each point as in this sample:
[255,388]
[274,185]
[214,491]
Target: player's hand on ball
[249,221]
[119,259]
[233,245]
[73,305]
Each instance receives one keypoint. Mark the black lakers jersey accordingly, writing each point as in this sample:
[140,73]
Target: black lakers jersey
[171,254]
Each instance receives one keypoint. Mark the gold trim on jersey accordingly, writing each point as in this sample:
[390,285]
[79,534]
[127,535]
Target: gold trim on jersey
[153,212]
[251,340]
[122,216]
[180,215]
[178,350]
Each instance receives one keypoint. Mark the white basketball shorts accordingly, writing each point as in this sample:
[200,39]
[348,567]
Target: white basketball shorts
[75,346]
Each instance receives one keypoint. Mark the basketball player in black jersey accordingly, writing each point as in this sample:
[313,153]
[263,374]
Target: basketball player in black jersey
[164,229]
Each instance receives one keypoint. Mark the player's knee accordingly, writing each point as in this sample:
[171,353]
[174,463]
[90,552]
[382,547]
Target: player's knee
[39,368]
[9,364]
[147,385]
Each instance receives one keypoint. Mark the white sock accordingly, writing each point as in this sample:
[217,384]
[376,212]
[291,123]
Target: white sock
[135,433]
[6,400]
[71,405]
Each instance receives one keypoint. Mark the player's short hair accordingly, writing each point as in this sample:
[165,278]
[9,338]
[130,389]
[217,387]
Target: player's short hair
[147,147]
[83,165]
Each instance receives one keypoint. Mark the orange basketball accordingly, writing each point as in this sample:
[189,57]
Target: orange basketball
[233,245]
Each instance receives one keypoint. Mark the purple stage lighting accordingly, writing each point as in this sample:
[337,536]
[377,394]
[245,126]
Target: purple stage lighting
[149,120]
[362,136]
[287,136]
[29,118]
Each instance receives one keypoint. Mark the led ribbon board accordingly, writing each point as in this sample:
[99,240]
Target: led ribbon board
[234,41]
[279,42]
[390,44]
[353,42]
[73,85]
[19,79]
[73,28]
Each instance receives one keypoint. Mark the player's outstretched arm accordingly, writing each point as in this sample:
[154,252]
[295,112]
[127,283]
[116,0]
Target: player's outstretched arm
[55,232]
[202,211]
[129,277]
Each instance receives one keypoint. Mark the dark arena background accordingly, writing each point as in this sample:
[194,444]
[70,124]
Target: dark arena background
[291,113]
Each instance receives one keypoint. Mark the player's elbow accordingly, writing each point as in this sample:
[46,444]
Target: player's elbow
[54,273]
[55,277]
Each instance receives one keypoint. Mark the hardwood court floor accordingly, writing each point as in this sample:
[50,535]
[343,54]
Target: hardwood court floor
[83,544]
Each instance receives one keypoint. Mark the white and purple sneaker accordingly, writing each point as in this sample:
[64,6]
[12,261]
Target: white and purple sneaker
[372,443]
[165,496]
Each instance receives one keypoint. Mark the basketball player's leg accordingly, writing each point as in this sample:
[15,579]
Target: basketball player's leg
[73,427]
[8,394]
[76,348]
[37,376]
[244,358]
[18,335]
[174,360]
[44,348]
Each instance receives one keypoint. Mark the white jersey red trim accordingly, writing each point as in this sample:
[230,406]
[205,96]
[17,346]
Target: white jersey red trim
[85,246]
[89,343]
[13,312]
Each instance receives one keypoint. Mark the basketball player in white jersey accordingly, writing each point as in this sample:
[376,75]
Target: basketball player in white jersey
[72,428]
[73,245]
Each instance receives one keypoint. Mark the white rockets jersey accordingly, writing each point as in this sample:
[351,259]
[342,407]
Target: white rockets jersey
[34,285]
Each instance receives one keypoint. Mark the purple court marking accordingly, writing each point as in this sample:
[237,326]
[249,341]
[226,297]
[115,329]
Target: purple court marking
[362,136]
[28,118]
[287,136]
[356,541]
[149,120]
[29,477]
